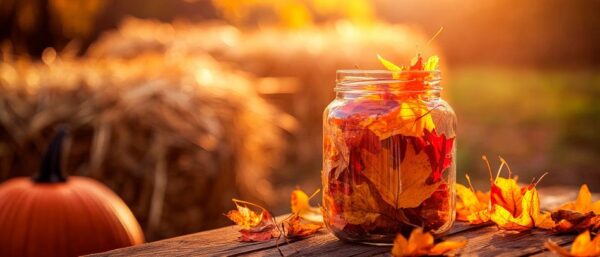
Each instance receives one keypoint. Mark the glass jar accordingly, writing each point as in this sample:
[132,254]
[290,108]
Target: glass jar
[388,156]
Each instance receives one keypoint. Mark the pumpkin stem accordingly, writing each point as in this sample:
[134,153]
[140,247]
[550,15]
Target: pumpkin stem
[51,168]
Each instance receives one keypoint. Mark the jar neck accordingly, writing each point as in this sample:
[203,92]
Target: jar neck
[381,84]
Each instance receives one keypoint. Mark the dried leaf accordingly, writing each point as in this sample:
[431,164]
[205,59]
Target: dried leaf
[360,207]
[583,246]
[301,206]
[296,227]
[544,220]
[583,202]
[389,65]
[254,226]
[520,219]
[439,150]
[569,220]
[258,234]
[432,63]
[406,186]
[580,215]
[419,244]
[513,207]
[410,118]
[471,206]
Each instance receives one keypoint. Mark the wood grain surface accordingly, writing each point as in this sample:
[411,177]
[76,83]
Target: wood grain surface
[484,240]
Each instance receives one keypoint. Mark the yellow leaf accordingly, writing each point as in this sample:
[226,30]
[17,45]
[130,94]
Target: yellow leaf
[244,217]
[419,242]
[301,206]
[422,243]
[400,247]
[583,246]
[446,246]
[544,220]
[389,65]
[432,63]
[520,221]
[471,206]
[411,118]
[579,215]
[513,207]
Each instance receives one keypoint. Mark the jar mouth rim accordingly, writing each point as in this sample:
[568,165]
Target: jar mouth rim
[386,72]
[375,80]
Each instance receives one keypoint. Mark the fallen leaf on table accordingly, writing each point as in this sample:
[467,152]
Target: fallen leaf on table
[301,205]
[297,227]
[580,215]
[420,244]
[583,203]
[255,226]
[513,207]
[471,206]
[583,246]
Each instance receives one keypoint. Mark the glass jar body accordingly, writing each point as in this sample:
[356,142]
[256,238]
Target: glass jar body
[388,164]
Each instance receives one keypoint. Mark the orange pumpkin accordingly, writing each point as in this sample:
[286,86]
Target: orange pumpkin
[52,215]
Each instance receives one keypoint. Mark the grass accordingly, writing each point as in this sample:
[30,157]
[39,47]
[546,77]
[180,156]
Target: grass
[538,120]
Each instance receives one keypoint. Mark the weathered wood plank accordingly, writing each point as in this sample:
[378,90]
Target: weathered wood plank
[484,240]
[325,244]
[490,241]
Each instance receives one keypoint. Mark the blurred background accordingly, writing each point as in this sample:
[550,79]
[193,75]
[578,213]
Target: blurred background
[179,106]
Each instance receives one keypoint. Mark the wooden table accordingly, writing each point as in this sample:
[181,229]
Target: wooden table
[484,240]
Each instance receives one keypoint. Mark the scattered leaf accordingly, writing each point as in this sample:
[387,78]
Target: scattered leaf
[569,220]
[580,215]
[296,227]
[471,206]
[254,226]
[513,207]
[300,205]
[419,244]
[583,246]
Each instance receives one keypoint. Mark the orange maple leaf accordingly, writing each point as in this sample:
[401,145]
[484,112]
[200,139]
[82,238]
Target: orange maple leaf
[300,203]
[471,205]
[513,207]
[419,244]
[297,227]
[580,215]
[255,226]
[305,219]
[583,246]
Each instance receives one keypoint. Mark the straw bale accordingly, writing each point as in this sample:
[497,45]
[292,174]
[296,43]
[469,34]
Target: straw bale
[310,55]
[175,136]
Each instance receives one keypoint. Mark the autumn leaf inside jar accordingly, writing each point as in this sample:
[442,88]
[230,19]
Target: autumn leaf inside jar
[388,153]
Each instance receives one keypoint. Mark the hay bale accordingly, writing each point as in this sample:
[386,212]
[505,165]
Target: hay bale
[175,136]
[309,55]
